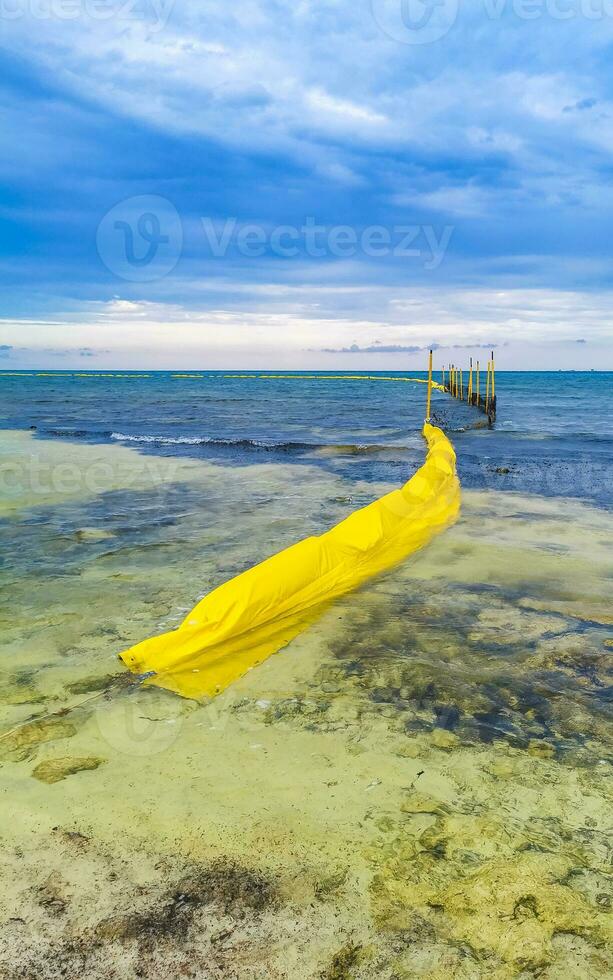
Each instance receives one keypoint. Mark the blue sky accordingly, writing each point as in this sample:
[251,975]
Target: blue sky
[164,166]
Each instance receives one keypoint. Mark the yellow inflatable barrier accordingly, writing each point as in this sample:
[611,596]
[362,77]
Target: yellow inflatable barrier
[252,616]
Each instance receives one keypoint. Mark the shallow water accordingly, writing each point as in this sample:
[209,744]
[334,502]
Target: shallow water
[418,786]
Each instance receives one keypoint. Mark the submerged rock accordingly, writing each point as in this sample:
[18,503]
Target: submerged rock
[92,534]
[442,739]
[540,749]
[34,733]
[516,907]
[16,691]
[422,803]
[53,770]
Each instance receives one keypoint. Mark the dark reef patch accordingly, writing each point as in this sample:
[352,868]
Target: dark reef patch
[178,930]
[486,676]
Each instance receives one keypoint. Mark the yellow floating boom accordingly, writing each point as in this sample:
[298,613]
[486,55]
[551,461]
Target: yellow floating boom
[254,615]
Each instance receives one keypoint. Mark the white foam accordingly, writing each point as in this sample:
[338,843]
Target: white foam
[164,440]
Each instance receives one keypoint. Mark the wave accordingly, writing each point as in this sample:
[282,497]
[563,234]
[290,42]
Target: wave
[211,441]
[266,445]
[243,443]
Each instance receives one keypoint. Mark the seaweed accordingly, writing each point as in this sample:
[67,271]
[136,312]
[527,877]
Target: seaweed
[54,770]
[227,885]
[343,963]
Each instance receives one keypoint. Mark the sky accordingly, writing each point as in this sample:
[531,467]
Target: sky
[317,184]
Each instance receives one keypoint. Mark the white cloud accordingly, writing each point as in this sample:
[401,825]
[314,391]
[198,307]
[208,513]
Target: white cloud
[342,109]
[536,327]
[465,200]
[472,130]
[318,63]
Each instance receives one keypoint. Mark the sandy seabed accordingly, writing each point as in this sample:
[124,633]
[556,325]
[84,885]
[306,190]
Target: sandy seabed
[418,786]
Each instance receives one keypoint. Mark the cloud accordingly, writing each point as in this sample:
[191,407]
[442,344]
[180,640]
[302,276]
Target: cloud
[40,351]
[342,111]
[466,200]
[581,106]
[378,348]
[533,327]
[476,346]
[234,111]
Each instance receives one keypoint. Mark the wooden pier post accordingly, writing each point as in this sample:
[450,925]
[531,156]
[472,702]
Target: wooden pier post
[429,387]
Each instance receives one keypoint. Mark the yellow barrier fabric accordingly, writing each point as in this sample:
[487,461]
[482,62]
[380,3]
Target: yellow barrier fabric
[252,616]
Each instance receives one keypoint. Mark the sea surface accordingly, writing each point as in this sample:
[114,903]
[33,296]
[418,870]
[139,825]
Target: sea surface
[417,786]
[554,431]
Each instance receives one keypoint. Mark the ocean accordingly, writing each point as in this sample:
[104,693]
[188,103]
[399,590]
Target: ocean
[553,433]
[418,785]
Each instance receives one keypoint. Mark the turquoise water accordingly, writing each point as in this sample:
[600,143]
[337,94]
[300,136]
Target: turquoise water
[418,786]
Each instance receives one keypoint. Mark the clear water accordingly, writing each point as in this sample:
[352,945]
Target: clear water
[419,786]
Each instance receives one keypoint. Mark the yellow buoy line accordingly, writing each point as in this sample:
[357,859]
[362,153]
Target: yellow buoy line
[255,614]
[255,376]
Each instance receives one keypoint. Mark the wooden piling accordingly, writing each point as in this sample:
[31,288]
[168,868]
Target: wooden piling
[429,400]
[472,393]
